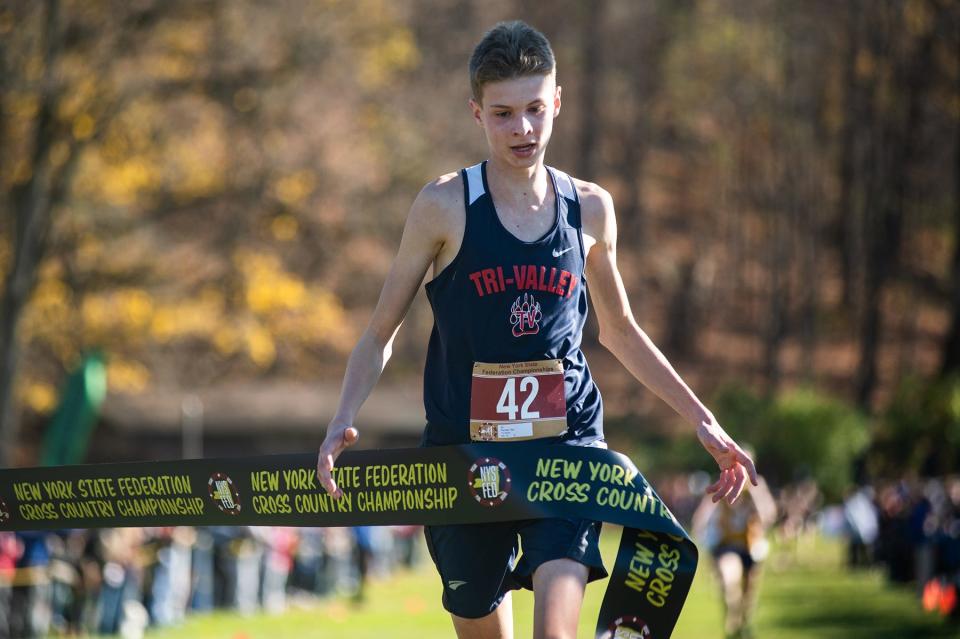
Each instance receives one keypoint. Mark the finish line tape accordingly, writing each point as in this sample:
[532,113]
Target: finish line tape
[468,484]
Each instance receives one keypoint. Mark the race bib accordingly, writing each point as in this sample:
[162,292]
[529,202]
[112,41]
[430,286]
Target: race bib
[515,401]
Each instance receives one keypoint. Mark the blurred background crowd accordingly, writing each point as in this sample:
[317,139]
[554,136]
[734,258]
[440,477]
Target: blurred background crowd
[912,529]
[121,581]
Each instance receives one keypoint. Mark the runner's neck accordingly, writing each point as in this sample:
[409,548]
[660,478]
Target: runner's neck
[524,190]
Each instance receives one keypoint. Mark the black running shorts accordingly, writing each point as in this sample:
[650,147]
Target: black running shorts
[478,562]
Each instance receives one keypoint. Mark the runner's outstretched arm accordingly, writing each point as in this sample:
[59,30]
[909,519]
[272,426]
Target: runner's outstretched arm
[423,235]
[621,335]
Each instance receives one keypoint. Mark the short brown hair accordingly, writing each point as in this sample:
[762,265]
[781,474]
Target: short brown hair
[509,50]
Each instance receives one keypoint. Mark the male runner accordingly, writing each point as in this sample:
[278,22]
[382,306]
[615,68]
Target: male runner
[512,244]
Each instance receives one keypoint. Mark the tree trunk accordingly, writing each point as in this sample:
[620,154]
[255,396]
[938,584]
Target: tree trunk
[893,186]
[591,77]
[31,203]
[950,362]
[653,29]
[807,313]
[778,261]
[853,100]
[680,342]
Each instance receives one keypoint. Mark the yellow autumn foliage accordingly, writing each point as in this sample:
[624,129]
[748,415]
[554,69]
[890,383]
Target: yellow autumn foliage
[24,106]
[268,287]
[127,376]
[167,65]
[166,149]
[287,310]
[38,396]
[80,94]
[121,184]
[89,251]
[59,154]
[189,38]
[395,53]
[259,344]
[277,307]
[50,319]
[327,321]
[83,126]
[193,317]
[294,189]
[284,227]
[125,311]
[196,159]
[50,302]
[227,339]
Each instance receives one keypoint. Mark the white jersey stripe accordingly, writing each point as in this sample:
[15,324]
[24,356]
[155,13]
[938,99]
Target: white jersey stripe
[474,183]
[564,184]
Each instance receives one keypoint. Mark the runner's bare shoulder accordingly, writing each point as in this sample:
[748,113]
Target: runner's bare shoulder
[440,204]
[439,214]
[596,209]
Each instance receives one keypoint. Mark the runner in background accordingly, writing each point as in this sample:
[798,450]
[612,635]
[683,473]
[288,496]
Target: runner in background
[736,537]
[512,244]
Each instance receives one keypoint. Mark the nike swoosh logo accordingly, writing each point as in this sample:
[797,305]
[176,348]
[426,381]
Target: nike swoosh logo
[557,253]
[455,584]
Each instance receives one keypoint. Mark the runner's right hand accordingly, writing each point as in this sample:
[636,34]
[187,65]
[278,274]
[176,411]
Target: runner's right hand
[337,439]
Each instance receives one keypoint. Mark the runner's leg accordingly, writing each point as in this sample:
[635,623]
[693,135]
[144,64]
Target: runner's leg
[751,588]
[497,625]
[730,570]
[475,563]
[558,587]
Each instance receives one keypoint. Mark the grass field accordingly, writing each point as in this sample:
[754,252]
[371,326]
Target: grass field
[807,596]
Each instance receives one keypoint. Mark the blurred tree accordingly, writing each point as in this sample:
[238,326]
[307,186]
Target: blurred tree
[950,359]
[901,43]
[853,101]
[120,121]
[590,17]
[647,34]
[213,191]
[34,185]
[919,431]
[798,434]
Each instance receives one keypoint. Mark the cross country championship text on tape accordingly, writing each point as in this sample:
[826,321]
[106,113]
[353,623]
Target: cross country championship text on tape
[442,485]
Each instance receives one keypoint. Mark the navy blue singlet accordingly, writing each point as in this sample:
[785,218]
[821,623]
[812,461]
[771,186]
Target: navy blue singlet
[475,302]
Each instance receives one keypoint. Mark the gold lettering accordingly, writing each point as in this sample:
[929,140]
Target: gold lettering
[38,512]
[26,491]
[264,480]
[58,489]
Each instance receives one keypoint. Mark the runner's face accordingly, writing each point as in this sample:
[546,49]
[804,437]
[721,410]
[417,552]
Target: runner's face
[517,118]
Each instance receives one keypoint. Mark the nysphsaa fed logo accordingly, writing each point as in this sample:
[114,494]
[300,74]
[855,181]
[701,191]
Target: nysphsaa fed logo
[489,481]
[628,627]
[224,494]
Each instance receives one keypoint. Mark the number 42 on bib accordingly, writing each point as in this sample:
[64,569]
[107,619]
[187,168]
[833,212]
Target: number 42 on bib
[517,401]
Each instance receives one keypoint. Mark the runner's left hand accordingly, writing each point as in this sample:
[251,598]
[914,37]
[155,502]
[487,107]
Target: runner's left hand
[735,465]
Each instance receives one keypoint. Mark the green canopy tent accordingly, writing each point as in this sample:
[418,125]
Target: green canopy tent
[68,434]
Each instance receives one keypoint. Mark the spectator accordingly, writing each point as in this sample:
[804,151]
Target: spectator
[280,545]
[9,551]
[363,554]
[30,603]
[860,514]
